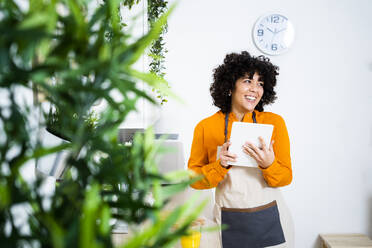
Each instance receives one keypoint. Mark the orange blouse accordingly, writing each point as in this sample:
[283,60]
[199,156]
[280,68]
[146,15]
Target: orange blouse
[209,133]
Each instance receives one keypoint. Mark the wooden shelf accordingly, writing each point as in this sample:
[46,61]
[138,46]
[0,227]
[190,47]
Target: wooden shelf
[345,241]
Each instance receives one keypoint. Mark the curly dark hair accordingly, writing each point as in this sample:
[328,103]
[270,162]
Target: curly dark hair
[236,66]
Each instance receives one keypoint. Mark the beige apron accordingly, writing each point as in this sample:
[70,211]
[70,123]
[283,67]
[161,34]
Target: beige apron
[256,214]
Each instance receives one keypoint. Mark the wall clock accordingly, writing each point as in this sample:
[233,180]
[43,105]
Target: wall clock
[273,34]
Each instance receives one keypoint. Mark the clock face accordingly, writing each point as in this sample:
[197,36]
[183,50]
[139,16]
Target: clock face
[273,34]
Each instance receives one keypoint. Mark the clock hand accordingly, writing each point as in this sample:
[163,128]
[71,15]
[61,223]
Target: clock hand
[275,33]
[270,30]
[281,30]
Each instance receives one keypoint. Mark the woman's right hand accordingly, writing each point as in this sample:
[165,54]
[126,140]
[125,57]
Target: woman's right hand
[225,155]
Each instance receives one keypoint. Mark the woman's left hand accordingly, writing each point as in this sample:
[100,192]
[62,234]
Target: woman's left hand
[264,157]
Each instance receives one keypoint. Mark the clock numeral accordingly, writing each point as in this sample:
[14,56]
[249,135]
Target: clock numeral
[260,32]
[274,47]
[275,19]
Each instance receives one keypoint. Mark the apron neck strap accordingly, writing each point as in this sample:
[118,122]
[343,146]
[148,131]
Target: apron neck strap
[227,122]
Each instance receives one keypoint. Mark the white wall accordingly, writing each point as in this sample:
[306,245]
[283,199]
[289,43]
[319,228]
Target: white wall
[324,94]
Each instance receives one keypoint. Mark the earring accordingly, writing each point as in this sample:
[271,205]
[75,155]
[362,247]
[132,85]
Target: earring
[230,93]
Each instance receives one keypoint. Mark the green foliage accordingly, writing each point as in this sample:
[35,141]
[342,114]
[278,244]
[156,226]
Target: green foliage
[76,57]
[157,51]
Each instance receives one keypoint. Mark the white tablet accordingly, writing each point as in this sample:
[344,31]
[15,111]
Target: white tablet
[242,132]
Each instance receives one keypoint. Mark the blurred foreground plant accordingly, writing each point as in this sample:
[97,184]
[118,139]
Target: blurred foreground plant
[76,54]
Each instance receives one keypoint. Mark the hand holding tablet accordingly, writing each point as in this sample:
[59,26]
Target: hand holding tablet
[224,155]
[264,156]
[243,132]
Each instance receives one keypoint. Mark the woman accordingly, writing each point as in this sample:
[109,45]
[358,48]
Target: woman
[247,199]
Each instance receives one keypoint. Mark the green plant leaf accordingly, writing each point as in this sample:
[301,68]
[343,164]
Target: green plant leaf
[135,50]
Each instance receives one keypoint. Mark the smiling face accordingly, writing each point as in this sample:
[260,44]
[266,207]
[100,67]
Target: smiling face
[246,94]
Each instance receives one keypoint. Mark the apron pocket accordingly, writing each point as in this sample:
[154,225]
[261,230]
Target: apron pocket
[252,227]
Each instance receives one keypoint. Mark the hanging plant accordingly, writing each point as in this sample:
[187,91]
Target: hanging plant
[155,9]
[157,51]
[54,124]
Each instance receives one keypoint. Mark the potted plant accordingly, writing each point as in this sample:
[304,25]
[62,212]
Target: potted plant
[90,55]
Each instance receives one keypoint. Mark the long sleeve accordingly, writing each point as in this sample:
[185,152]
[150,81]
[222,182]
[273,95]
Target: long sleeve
[213,172]
[279,173]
